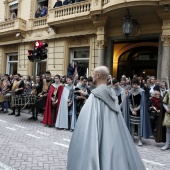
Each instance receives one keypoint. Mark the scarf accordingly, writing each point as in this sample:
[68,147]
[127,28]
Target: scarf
[156,102]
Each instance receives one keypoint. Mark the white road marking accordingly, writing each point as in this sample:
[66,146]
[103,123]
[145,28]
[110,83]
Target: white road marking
[60,144]
[6,167]
[2,121]
[33,136]
[10,128]
[68,140]
[152,162]
[20,126]
[42,133]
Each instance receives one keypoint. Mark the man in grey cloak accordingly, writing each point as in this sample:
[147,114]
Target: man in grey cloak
[101,140]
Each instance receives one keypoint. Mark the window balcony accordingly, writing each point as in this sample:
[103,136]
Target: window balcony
[38,23]
[12,26]
[69,13]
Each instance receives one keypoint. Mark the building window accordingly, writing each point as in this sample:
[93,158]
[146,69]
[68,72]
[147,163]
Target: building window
[41,67]
[81,55]
[42,8]
[13,9]
[12,63]
[41,3]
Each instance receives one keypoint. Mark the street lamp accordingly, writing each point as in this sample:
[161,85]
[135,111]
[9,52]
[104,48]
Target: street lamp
[129,24]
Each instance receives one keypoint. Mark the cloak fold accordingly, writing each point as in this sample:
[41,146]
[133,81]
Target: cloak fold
[62,118]
[101,140]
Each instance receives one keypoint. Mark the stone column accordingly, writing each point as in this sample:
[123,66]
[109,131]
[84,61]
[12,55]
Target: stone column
[159,63]
[165,70]
[101,52]
[101,43]
[108,60]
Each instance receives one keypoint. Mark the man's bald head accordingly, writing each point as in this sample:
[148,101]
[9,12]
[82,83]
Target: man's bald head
[101,75]
[103,70]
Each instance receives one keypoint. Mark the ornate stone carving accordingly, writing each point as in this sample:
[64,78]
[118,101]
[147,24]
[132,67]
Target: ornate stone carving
[101,43]
[165,39]
[38,35]
[79,40]
[29,33]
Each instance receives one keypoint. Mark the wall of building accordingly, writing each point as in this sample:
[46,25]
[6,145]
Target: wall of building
[2,12]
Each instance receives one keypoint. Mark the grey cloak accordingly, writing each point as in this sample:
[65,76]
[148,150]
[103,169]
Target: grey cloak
[121,91]
[62,118]
[101,140]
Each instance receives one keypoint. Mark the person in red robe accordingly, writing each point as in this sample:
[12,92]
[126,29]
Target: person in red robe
[53,102]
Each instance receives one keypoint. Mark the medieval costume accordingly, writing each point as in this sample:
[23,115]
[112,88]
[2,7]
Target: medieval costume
[40,103]
[166,121]
[4,88]
[156,113]
[66,114]
[36,89]
[121,95]
[17,89]
[51,110]
[136,100]
[101,140]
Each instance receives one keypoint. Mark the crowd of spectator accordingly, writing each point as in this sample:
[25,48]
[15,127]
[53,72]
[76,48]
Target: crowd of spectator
[63,97]
[65,2]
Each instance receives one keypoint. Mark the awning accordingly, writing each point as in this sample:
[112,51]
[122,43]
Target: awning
[13,3]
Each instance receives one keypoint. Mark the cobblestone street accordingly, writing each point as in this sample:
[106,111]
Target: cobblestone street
[29,145]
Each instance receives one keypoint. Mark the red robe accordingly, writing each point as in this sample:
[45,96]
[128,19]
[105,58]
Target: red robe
[47,119]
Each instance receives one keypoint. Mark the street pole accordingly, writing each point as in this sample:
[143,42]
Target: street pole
[34,70]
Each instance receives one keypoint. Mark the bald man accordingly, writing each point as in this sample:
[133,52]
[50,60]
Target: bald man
[101,140]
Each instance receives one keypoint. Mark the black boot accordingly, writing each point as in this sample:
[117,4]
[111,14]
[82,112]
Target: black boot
[33,114]
[13,112]
[36,115]
[18,112]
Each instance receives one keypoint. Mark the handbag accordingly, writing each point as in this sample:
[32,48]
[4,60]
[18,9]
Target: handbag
[153,111]
[166,121]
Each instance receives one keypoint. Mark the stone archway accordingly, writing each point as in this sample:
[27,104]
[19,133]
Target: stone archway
[139,60]
[121,48]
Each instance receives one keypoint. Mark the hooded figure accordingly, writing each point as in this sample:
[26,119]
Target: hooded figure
[101,140]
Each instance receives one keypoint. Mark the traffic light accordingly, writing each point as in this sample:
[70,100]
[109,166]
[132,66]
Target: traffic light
[30,55]
[39,52]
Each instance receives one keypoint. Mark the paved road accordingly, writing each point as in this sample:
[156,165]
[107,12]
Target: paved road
[29,145]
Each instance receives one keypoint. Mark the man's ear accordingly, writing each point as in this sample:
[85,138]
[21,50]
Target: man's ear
[98,75]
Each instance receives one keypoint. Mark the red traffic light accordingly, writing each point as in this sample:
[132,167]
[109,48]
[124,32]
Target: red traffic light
[30,52]
[38,44]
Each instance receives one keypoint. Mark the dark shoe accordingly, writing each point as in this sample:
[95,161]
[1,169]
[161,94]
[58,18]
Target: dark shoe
[17,115]
[35,118]
[31,118]
[5,111]
[11,114]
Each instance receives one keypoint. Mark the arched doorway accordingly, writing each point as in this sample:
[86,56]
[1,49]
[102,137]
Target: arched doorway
[139,60]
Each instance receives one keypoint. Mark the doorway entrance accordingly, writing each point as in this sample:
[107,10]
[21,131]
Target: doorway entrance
[140,60]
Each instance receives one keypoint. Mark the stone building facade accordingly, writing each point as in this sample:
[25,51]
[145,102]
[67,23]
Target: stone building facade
[89,32]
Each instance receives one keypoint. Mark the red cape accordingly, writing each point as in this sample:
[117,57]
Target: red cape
[47,119]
